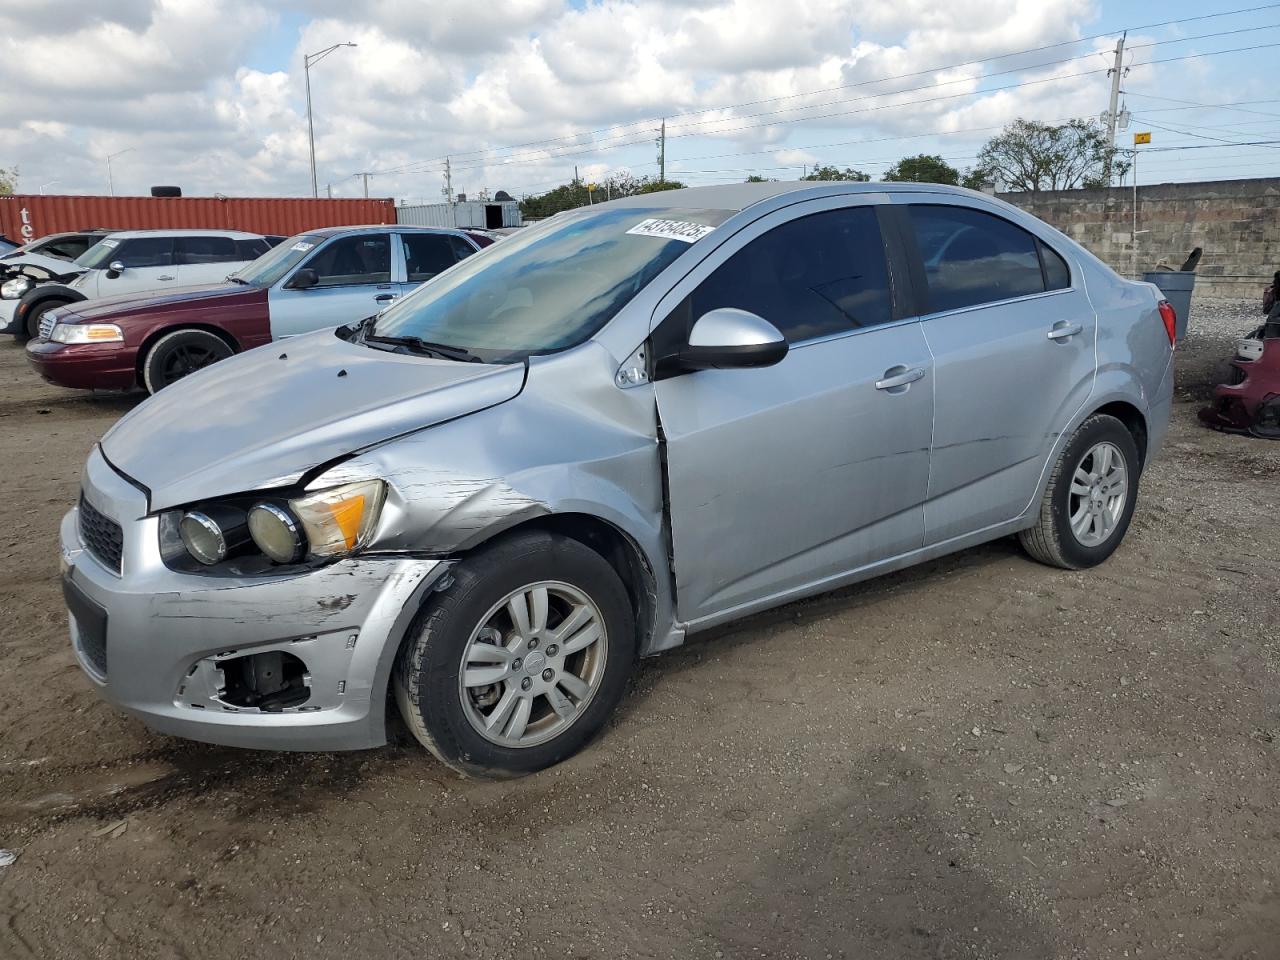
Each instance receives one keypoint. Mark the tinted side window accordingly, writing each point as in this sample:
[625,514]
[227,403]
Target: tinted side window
[426,254]
[810,277]
[1057,276]
[971,257]
[364,258]
[205,250]
[145,252]
[251,249]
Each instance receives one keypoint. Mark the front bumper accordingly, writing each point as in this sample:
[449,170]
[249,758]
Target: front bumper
[166,633]
[84,366]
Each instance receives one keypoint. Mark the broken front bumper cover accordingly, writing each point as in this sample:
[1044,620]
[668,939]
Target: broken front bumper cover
[159,643]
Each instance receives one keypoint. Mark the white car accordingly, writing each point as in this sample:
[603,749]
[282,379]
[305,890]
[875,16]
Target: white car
[131,262]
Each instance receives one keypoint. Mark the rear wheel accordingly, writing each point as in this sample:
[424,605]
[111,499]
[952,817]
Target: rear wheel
[1090,497]
[33,318]
[520,660]
[182,352]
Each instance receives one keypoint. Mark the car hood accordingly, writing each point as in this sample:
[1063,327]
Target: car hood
[52,264]
[264,418]
[225,293]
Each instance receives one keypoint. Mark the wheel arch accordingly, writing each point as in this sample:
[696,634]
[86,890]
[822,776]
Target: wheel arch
[1134,420]
[618,548]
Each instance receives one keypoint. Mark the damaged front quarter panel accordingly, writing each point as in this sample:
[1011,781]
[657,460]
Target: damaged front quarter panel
[572,443]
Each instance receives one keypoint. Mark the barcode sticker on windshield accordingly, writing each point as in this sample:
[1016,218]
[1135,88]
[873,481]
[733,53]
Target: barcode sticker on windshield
[111,244]
[671,230]
[302,247]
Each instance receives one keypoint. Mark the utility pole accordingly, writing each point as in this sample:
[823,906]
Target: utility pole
[309,60]
[366,185]
[662,151]
[1114,73]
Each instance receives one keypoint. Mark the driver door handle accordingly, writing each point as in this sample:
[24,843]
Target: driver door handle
[166,277]
[384,298]
[1062,330]
[899,376]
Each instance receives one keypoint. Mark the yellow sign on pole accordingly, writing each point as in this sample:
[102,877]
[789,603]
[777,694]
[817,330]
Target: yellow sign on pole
[1141,138]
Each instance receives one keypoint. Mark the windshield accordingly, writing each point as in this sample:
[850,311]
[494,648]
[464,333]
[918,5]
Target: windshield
[99,255]
[548,287]
[278,261]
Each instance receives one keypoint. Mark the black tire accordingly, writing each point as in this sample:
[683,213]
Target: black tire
[32,329]
[182,352]
[426,676]
[1051,540]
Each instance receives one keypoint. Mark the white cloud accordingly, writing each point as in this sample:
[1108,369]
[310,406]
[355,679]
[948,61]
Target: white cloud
[209,93]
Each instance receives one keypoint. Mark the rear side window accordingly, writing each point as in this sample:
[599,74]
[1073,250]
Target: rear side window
[461,249]
[426,254]
[195,250]
[252,249]
[144,252]
[811,277]
[1057,276]
[971,257]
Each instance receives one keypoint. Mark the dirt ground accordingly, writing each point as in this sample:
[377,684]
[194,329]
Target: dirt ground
[980,757]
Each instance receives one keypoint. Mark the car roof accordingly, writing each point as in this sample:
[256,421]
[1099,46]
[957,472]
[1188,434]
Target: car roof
[182,232]
[397,227]
[739,196]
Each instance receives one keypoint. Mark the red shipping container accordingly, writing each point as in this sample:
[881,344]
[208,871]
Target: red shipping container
[28,216]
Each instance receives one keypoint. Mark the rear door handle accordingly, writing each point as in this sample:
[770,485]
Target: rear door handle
[899,376]
[1063,330]
[384,298]
[164,278]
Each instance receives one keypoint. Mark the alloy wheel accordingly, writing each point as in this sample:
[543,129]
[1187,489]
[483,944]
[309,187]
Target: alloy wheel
[533,664]
[1099,490]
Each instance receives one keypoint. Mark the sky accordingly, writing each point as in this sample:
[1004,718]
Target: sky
[209,94]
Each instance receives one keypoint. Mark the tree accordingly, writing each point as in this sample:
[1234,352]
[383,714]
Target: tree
[575,193]
[8,181]
[756,178]
[1031,156]
[923,168]
[835,173]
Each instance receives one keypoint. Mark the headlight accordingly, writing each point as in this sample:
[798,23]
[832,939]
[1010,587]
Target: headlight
[277,533]
[15,288]
[86,333]
[327,523]
[210,534]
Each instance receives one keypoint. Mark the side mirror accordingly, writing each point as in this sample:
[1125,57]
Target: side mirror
[304,279]
[727,339]
[114,269]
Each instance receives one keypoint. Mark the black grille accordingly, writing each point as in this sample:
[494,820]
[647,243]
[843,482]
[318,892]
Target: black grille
[102,536]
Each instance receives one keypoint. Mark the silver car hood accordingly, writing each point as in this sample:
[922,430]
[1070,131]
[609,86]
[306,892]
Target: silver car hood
[266,417]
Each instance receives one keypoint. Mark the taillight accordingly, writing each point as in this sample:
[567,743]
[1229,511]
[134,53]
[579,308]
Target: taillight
[1170,318]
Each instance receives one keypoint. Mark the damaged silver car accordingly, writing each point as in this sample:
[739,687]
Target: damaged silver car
[612,430]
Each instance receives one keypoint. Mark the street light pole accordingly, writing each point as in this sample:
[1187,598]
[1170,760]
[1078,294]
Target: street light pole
[111,184]
[307,60]
[49,184]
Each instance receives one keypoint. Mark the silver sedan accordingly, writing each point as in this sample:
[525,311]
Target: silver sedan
[609,432]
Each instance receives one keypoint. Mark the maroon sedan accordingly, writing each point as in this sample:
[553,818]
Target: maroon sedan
[323,278]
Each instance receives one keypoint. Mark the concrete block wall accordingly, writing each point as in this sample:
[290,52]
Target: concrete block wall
[1236,222]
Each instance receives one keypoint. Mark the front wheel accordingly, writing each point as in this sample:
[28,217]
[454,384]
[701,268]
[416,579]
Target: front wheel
[31,329]
[518,662]
[1090,497]
[180,353]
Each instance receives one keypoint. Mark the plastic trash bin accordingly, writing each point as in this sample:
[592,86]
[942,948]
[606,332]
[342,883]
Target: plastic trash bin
[1176,285]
